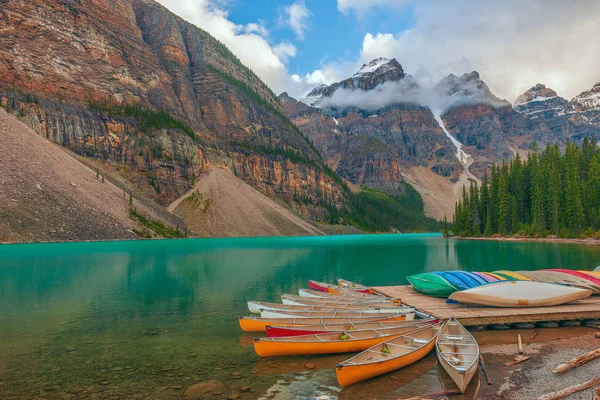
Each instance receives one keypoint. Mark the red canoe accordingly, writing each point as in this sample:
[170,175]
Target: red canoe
[577,274]
[285,331]
[324,287]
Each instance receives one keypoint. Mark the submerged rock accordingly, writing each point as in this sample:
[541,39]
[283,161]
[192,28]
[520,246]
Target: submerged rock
[204,389]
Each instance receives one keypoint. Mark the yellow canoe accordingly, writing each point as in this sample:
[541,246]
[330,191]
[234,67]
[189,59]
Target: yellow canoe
[594,274]
[328,343]
[257,324]
[515,275]
[388,356]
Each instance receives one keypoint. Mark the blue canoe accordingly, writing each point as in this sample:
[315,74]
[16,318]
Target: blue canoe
[455,279]
[476,279]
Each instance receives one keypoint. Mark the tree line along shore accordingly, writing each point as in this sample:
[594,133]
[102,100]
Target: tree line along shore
[552,193]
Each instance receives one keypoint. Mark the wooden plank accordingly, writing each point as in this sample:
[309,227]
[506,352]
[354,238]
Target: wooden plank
[467,315]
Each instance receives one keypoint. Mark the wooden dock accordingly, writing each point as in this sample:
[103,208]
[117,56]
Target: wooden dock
[470,315]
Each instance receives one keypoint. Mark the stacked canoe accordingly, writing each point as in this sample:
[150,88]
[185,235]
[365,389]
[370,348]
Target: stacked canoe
[445,283]
[325,303]
[349,317]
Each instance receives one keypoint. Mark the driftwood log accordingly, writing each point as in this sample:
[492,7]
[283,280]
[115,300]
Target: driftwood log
[437,395]
[577,361]
[520,343]
[482,365]
[570,390]
[518,359]
[534,334]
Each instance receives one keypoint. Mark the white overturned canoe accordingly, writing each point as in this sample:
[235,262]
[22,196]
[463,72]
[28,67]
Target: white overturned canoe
[520,294]
[313,293]
[258,306]
[458,353]
[292,300]
[408,314]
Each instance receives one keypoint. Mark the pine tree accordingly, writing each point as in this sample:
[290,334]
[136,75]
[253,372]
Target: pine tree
[445,231]
[475,221]
[489,231]
[503,206]
[592,194]
[484,200]
[514,215]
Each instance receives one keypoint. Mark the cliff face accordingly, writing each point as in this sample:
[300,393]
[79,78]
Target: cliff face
[373,147]
[492,130]
[95,76]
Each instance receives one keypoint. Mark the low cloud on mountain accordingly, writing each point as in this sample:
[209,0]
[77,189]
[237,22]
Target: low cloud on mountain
[403,91]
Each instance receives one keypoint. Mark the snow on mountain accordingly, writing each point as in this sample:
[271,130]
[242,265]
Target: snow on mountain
[374,66]
[588,104]
[542,102]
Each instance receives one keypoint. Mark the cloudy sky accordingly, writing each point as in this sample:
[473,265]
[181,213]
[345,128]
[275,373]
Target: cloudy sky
[294,45]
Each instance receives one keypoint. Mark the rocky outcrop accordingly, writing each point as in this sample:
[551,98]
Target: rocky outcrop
[588,104]
[129,83]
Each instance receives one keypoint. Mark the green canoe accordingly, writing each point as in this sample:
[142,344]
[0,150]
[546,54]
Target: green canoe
[508,277]
[431,285]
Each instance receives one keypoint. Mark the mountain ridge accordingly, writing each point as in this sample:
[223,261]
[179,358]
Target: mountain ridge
[482,127]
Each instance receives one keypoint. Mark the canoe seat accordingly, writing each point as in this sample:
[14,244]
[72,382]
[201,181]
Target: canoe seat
[399,345]
[420,340]
[459,344]
[454,337]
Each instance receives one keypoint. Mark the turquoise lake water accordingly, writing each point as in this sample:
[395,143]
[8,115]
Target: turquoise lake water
[150,318]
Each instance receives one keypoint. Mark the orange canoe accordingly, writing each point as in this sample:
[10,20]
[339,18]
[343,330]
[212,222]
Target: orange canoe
[388,356]
[257,324]
[327,343]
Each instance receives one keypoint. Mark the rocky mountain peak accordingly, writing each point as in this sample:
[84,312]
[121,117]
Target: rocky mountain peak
[588,103]
[538,92]
[285,98]
[370,75]
[542,102]
[380,65]
[468,86]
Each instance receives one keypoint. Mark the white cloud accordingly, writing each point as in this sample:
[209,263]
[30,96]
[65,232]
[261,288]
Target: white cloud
[284,51]
[362,6]
[296,17]
[513,44]
[259,29]
[248,42]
